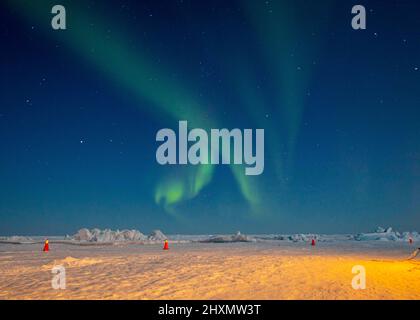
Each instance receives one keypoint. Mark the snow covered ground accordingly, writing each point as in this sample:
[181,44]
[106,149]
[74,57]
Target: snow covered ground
[264,268]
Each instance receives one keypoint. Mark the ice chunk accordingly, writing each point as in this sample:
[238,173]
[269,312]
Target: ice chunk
[388,234]
[16,239]
[108,235]
[157,235]
[83,235]
[238,237]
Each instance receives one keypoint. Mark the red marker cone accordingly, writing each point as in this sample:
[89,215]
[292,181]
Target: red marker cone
[46,246]
[165,245]
[313,242]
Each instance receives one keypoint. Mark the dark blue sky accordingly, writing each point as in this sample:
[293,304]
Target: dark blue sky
[80,108]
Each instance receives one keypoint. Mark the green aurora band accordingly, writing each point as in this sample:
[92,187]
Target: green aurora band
[140,75]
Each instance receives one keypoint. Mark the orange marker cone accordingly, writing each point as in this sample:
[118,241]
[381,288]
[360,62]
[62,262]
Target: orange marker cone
[165,245]
[46,246]
[313,242]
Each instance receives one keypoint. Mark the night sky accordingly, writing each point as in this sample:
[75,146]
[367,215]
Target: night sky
[80,108]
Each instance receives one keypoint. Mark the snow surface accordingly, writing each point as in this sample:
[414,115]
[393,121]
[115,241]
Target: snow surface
[266,269]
